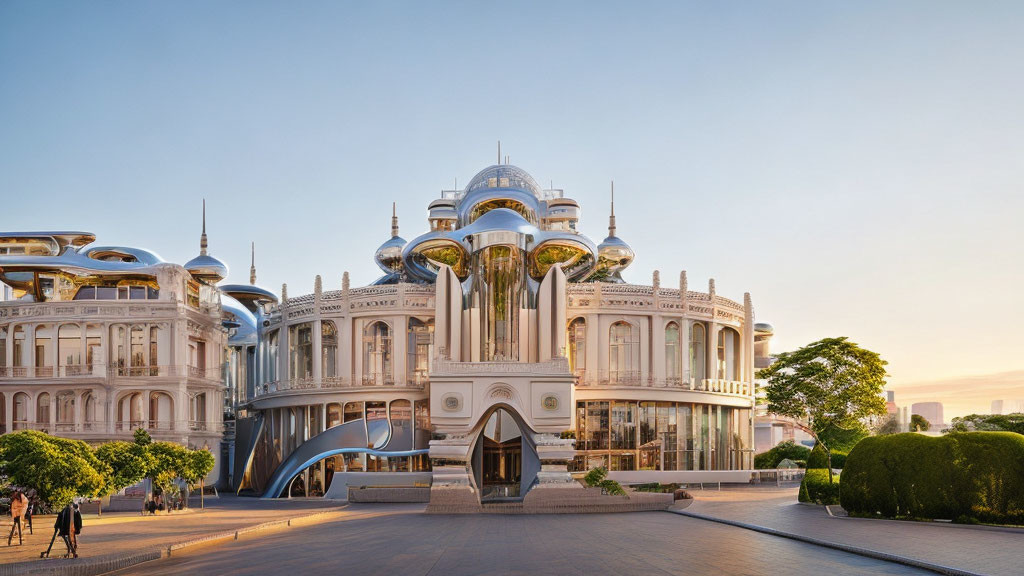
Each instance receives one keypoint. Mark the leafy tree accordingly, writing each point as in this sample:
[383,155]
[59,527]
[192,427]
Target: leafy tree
[59,469]
[168,461]
[828,383]
[988,423]
[129,462]
[197,465]
[780,452]
[919,423]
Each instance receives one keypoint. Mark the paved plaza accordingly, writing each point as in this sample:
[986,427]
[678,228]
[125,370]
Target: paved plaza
[398,539]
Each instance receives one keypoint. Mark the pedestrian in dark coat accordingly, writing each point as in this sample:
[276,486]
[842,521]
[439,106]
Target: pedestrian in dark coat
[69,526]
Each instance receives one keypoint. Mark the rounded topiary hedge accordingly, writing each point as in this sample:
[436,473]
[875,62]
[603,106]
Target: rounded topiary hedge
[966,477]
[818,458]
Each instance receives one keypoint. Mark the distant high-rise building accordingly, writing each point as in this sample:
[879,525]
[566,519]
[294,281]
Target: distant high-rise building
[890,402]
[930,411]
[1008,406]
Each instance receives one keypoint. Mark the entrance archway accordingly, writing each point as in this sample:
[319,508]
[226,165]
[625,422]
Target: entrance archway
[501,457]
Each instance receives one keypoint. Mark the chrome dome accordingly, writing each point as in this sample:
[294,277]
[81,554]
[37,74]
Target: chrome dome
[207,269]
[389,256]
[613,256]
[764,328]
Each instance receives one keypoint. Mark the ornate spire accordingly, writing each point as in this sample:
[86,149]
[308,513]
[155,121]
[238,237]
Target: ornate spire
[202,239]
[611,217]
[683,284]
[252,267]
[394,220]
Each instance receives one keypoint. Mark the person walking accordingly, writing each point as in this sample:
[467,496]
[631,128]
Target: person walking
[69,526]
[19,504]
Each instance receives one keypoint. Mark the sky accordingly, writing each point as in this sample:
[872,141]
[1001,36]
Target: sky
[856,167]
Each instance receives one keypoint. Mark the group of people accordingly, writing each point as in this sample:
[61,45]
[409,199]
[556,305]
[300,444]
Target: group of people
[68,524]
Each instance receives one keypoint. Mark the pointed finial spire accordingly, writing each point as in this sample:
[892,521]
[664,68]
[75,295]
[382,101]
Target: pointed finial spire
[202,239]
[611,217]
[711,288]
[683,284]
[252,267]
[394,219]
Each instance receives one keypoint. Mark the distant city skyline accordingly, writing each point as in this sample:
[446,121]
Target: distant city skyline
[855,167]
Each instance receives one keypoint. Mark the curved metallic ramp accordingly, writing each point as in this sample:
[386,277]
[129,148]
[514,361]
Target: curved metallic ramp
[350,436]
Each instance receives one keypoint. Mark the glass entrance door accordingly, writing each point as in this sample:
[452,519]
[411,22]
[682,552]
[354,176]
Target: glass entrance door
[502,458]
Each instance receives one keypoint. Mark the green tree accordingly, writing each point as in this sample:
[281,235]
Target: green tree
[919,423]
[168,461]
[128,462]
[59,469]
[197,465]
[142,438]
[831,382]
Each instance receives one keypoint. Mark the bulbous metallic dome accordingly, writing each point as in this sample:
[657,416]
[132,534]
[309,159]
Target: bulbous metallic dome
[207,269]
[764,328]
[614,256]
[504,176]
[389,256]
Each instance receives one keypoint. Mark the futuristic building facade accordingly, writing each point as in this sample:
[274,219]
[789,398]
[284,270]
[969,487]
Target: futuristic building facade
[98,341]
[499,351]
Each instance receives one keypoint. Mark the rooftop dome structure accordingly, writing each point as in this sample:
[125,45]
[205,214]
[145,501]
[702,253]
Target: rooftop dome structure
[504,176]
[204,267]
[613,255]
[389,256]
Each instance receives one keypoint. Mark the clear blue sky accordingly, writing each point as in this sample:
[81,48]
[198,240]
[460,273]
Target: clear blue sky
[856,167]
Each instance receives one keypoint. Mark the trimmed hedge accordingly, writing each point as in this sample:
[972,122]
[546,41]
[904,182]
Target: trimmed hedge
[964,477]
[817,459]
[787,449]
[816,488]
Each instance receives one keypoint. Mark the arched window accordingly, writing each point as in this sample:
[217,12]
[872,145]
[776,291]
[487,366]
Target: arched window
[69,349]
[420,349]
[93,348]
[698,355]
[161,411]
[333,414]
[43,409]
[4,362]
[118,349]
[154,351]
[377,354]
[20,411]
[673,354]
[138,350]
[328,349]
[197,412]
[300,345]
[578,345]
[43,341]
[273,346]
[623,353]
[18,353]
[65,409]
[728,354]
[89,410]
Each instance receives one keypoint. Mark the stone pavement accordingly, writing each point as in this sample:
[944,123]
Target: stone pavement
[983,550]
[400,539]
[123,533]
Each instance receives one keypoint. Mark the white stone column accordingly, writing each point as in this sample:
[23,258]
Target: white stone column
[318,353]
[399,346]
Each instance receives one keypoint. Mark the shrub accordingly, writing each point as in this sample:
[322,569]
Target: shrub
[815,487]
[595,476]
[783,450]
[965,477]
[612,487]
[656,487]
[818,459]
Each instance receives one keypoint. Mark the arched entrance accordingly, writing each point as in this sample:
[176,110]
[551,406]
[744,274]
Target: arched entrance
[500,457]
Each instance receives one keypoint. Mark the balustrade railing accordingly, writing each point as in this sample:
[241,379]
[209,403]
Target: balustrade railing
[633,378]
[336,382]
[113,370]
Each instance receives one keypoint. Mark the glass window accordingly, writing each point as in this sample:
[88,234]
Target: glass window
[43,409]
[623,354]
[376,424]
[377,354]
[353,411]
[697,352]
[673,361]
[300,344]
[69,347]
[273,345]
[329,349]
[138,292]
[106,292]
[597,425]
[333,414]
[578,345]
[138,346]
[623,426]
[420,349]
[85,293]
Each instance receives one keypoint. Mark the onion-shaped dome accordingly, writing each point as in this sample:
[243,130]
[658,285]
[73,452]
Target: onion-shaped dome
[614,256]
[764,328]
[389,255]
[207,269]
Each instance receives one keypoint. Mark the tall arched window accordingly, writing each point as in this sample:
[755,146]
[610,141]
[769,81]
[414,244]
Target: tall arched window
[43,409]
[154,351]
[300,344]
[273,350]
[88,410]
[377,354]
[673,354]
[65,409]
[728,354]
[623,353]
[328,349]
[138,350]
[697,352]
[161,411]
[20,411]
[420,349]
[69,349]
[93,348]
[18,353]
[118,349]
[43,341]
[4,362]
[578,345]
